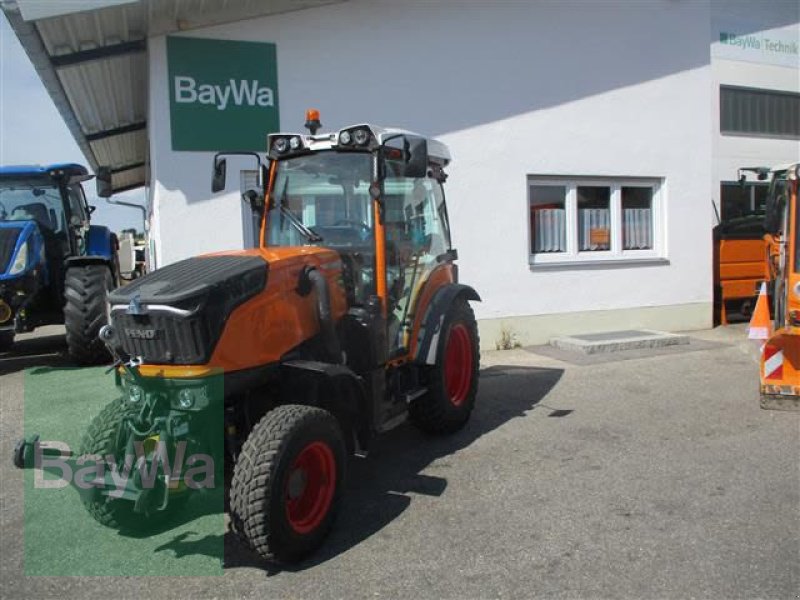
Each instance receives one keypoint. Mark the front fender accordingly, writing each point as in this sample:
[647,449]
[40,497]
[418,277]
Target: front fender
[337,389]
[434,317]
[100,242]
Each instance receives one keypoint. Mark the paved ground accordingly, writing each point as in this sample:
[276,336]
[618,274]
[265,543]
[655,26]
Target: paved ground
[654,476]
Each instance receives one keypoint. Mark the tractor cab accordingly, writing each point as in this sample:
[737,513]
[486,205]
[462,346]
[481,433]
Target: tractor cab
[373,195]
[367,193]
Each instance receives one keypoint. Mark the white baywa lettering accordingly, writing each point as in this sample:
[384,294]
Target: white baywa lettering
[41,464]
[206,94]
[92,475]
[207,469]
[241,92]
[160,456]
[120,478]
[89,470]
[184,89]
[223,97]
[265,97]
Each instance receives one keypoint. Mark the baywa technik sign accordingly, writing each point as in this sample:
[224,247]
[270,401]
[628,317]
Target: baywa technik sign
[223,95]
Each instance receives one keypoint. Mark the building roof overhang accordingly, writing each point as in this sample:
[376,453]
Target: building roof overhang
[91,56]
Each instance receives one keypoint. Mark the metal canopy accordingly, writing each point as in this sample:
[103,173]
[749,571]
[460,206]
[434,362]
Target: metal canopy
[93,64]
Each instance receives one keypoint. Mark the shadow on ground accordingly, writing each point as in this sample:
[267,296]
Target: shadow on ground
[382,486]
[42,351]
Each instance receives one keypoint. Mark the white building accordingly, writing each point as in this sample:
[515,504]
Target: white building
[587,137]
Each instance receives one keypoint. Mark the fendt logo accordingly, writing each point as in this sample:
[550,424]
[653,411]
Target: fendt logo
[141,334]
[222,93]
[241,92]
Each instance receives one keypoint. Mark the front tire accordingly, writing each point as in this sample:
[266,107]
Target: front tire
[6,340]
[86,291]
[453,380]
[287,482]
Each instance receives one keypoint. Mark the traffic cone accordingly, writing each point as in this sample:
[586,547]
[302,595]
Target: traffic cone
[760,327]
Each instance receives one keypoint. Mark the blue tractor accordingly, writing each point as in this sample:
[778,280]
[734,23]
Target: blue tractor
[55,267]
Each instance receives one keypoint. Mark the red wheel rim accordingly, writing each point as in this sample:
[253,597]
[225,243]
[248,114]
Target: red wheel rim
[310,486]
[458,364]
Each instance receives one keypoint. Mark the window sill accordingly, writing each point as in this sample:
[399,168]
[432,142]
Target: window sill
[597,263]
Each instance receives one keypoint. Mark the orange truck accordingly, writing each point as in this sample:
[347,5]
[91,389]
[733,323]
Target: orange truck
[740,265]
[780,354]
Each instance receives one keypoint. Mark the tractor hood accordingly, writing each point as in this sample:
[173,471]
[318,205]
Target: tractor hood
[176,314]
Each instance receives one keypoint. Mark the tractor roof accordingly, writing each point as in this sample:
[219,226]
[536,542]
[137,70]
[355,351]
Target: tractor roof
[436,148]
[72,171]
[325,141]
[784,167]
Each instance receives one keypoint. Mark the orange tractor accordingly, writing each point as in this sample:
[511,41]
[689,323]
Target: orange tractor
[780,355]
[348,318]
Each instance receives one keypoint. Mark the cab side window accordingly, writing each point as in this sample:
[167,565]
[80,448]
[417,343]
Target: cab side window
[77,204]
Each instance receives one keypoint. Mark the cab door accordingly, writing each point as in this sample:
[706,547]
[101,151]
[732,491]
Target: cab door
[417,236]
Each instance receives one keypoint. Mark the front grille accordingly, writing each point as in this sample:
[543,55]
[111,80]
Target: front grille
[176,340]
[186,306]
[8,241]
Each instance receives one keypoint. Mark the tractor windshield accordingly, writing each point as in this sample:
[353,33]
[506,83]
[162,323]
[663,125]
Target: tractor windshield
[24,202]
[322,198]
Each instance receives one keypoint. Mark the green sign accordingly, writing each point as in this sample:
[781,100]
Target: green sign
[223,95]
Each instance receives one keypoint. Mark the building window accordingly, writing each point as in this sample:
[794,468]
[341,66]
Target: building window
[548,218]
[759,113]
[581,219]
[637,218]
[746,200]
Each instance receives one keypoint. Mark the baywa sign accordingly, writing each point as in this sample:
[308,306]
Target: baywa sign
[223,94]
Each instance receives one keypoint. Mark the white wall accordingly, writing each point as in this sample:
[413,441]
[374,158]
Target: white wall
[573,88]
[752,69]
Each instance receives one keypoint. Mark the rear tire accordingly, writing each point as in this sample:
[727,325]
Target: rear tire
[99,440]
[453,381]
[6,340]
[86,311]
[287,482]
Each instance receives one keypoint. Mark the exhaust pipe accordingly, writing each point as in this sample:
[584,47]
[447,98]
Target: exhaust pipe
[318,282]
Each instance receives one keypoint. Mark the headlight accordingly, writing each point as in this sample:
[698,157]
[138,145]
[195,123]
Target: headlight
[191,398]
[361,136]
[21,261]
[294,143]
[135,394]
[186,398]
[344,138]
[280,145]
[797,289]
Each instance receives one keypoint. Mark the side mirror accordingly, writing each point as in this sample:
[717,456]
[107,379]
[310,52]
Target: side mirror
[218,176]
[91,208]
[416,151]
[103,181]
[405,156]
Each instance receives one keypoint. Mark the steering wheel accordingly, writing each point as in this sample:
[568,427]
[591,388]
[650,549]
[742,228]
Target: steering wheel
[365,229]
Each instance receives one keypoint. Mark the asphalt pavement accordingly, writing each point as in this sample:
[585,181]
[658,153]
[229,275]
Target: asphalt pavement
[645,475]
